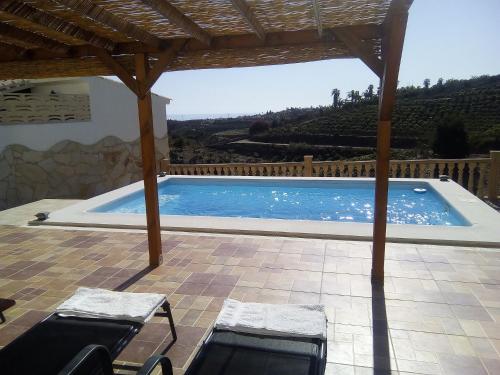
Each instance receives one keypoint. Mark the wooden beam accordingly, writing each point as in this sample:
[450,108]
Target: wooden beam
[218,43]
[99,14]
[160,65]
[118,70]
[393,46]
[82,61]
[149,164]
[359,49]
[397,7]
[13,51]
[249,16]
[317,17]
[77,52]
[32,38]
[47,20]
[179,19]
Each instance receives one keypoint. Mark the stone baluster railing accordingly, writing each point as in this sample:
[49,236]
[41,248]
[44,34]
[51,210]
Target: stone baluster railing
[479,175]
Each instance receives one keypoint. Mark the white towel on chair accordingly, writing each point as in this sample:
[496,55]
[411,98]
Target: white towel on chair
[105,304]
[273,320]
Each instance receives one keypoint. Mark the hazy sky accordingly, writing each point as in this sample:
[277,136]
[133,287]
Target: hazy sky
[445,38]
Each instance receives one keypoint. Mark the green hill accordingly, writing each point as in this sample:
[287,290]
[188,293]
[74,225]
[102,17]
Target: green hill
[349,129]
[476,101]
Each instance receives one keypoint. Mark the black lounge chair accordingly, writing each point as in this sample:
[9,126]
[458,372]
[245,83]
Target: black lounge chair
[52,343]
[228,353]
[96,359]
[4,305]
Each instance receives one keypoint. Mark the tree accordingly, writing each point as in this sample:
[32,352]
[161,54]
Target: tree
[336,95]
[368,94]
[353,96]
[451,139]
[258,127]
[427,83]
[357,97]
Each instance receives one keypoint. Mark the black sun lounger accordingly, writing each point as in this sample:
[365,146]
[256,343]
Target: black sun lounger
[47,347]
[96,359]
[231,353]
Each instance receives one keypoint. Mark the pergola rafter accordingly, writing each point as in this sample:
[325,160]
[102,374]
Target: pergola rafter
[153,48]
[32,38]
[47,20]
[88,9]
[317,17]
[179,19]
[10,51]
[249,16]
[361,50]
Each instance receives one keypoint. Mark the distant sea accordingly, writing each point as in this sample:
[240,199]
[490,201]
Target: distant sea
[201,116]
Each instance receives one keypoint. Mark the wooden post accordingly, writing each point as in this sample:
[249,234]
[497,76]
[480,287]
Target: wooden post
[494,176]
[392,48]
[308,165]
[149,163]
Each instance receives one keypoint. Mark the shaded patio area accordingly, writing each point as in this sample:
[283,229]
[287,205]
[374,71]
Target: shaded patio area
[439,312]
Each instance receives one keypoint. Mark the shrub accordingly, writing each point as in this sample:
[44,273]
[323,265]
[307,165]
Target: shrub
[258,127]
[450,138]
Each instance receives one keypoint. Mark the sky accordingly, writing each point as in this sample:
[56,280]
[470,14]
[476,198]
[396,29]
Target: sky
[444,38]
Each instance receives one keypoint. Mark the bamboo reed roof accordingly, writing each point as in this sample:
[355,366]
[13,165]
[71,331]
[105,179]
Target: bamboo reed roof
[63,38]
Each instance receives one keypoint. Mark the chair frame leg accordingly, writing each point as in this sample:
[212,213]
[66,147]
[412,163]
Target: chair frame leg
[167,312]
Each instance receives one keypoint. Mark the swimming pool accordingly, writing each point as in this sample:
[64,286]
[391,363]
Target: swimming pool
[315,207]
[344,201]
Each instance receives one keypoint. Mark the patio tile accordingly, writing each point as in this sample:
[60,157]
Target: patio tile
[439,312]
[306,286]
[303,298]
[459,364]
[492,365]
[190,317]
[471,312]
[191,288]
[200,278]
[419,367]
[10,332]
[225,280]
[217,290]
[30,318]
[430,341]
[340,352]
[138,351]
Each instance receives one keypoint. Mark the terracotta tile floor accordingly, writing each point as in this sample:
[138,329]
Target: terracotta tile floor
[439,312]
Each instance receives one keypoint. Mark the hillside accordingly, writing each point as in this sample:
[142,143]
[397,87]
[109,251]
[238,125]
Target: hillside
[349,129]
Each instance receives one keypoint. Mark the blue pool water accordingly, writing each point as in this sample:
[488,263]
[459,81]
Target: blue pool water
[327,200]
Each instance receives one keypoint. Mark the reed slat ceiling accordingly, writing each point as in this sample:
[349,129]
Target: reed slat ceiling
[57,38]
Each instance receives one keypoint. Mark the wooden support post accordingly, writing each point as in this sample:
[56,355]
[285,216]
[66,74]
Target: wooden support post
[308,165]
[149,163]
[392,49]
[494,177]
[381,193]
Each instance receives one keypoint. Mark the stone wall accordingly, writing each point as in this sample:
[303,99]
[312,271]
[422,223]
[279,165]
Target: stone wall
[70,169]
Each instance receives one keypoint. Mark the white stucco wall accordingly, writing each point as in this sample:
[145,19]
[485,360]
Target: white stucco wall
[113,113]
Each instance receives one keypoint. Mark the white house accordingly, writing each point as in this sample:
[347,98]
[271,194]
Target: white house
[71,138]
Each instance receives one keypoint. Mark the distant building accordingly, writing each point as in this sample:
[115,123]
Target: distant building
[71,138]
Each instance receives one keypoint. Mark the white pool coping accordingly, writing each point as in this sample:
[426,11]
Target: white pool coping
[483,231]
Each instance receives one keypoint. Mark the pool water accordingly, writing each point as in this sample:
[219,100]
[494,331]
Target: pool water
[344,201]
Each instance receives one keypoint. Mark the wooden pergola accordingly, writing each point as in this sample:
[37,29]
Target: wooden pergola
[138,40]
